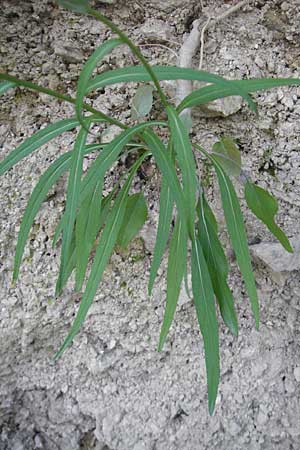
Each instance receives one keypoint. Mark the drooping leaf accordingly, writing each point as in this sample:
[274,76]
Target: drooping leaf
[216,263]
[186,161]
[86,229]
[5,86]
[237,233]
[142,102]
[72,199]
[176,270]
[210,93]
[205,307]
[87,70]
[134,218]
[35,141]
[265,207]
[228,155]
[80,6]
[46,181]
[104,250]
[139,73]
[166,165]
[166,205]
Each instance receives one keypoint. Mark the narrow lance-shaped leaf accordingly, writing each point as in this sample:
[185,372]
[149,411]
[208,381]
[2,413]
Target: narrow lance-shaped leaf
[186,161]
[73,191]
[176,270]
[237,233]
[265,207]
[166,205]
[210,93]
[166,165]
[87,70]
[46,181]
[35,141]
[86,229]
[104,250]
[205,307]
[139,73]
[216,263]
[134,218]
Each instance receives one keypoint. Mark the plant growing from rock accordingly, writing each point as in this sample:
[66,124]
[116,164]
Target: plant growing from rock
[94,222]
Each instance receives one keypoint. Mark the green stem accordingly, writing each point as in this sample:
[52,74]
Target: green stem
[135,50]
[66,98]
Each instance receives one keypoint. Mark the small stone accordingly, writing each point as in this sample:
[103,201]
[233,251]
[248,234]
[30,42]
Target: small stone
[156,29]
[276,257]
[222,107]
[68,53]
[297,373]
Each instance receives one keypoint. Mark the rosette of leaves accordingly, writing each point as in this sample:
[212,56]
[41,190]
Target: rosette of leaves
[92,224]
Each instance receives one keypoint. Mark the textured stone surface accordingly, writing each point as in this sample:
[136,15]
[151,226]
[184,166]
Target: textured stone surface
[112,390]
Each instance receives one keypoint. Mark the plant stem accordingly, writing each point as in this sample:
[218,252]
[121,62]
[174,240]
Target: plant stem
[135,50]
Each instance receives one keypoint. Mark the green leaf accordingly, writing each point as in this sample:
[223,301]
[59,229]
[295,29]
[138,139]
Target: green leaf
[87,70]
[216,263]
[46,181]
[72,200]
[237,233]
[35,141]
[186,161]
[86,229]
[176,270]
[134,218]
[142,102]
[166,165]
[104,250]
[206,314]
[166,206]
[139,73]
[80,6]
[265,207]
[5,86]
[228,155]
[210,93]
[110,154]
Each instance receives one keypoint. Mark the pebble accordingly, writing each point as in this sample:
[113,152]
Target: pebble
[297,374]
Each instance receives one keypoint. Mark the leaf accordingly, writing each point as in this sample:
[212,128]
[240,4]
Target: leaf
[216,263]
[228,155]
[186,161]
[72,199]
[104,250]
[80,6]
[110,154]
[176,270]
[210,93]
[134,218]
[265,208]
[206,314]
[86,229]
[237,233]
[87,70]
[139,73]
[35,141]
[5,86]
[142,102]
[166,205]
[46,181]
[166,165]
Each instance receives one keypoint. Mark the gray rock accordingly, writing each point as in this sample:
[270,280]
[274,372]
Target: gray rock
[297,373]
[276,257]
[68,52]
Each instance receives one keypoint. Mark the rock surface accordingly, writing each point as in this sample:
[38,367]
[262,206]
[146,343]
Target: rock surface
[112,390]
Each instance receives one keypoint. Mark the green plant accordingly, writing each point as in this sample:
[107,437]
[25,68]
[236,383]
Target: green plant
[91,221]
